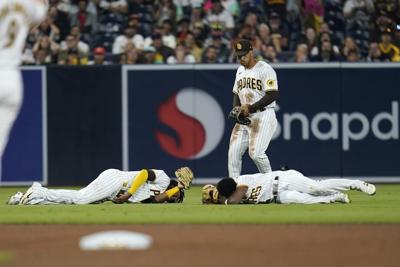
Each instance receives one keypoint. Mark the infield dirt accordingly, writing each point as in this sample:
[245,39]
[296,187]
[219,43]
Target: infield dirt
[208,245]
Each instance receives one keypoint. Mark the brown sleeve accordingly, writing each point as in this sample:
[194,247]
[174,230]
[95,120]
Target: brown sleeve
[270,96]
[236,100]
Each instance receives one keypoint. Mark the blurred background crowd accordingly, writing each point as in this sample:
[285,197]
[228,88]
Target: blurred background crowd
[101,32]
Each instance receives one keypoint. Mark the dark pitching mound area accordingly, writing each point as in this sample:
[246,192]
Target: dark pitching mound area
[207,245]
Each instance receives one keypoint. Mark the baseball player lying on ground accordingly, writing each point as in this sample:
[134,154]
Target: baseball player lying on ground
[145,186]
[284,187]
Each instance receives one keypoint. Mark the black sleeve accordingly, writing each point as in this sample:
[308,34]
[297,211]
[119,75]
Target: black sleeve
[149,200]
[270,96]
[236,100]
[151,175]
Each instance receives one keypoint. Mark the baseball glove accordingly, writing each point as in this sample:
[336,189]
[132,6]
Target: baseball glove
[210,194]
[185,176]
[238,117]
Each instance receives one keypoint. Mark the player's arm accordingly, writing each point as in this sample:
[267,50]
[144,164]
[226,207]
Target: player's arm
[270,96]
[169,194]
[142,177]
[236,197]
[236,100]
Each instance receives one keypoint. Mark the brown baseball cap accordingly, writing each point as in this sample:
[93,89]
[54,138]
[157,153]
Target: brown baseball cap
[242,47]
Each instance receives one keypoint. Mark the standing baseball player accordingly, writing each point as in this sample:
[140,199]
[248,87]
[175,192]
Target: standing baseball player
[147,185]
[284,187]
[254,94]
[16,19]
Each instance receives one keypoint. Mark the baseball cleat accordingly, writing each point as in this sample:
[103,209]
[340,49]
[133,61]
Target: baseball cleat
[14,199]
[342,198]
[367,188]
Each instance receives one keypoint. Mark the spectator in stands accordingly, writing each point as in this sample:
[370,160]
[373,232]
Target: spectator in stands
[312,13]
[301,55]
[198,21]
[388,7]
[382,22]
[294,23]
[221,16]
[353,56]
[42,57]
[60,20]
[144,11]
[162,51]
[183,29]
[389,51]
[264,33]
[116,6]
[48,28]
[149,56]
[73,57]
[181,56]
[99,55]
[349,46]
[279,32]
[130,36]
[85,20]
[396,40]
[374,54]
[72,51]
[49,47]
[358,14]
[310,38]
[221,45]
[164,10]
[130,56]
[324,37]
[168,36]
[83,47]
[269,53]
[335,19]
[326,53]
[210,55]
[276,6]
[193,47]
[232,6]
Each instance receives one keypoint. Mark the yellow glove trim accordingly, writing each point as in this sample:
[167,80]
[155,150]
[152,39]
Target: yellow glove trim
[171,192]
[140,179]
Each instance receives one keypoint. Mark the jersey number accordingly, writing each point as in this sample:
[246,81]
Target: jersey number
[254,194]
[12,32]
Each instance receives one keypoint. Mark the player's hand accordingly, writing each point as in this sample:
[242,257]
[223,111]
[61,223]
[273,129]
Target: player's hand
[121,199]
[245,110]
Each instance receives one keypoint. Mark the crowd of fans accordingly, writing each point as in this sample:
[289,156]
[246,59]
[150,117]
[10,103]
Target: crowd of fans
[99,32]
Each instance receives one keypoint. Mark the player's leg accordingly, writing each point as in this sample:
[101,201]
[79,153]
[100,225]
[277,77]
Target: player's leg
[294,197]
[294,180]
[262,128]
[38,195]
[10,103]
[105,186]
[238,144]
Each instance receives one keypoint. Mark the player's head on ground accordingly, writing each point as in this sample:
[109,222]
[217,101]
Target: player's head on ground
[226,187]
[244,52]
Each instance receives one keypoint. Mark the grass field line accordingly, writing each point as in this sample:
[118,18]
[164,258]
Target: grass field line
[383,208]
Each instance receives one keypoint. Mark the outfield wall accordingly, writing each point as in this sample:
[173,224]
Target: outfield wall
[335,120]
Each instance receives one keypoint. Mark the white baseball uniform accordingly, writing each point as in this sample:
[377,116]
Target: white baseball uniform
[16,18]
[251,85]
[293,187]
[105,186]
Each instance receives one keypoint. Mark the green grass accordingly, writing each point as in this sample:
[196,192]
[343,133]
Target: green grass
[384,207]
[6,256]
